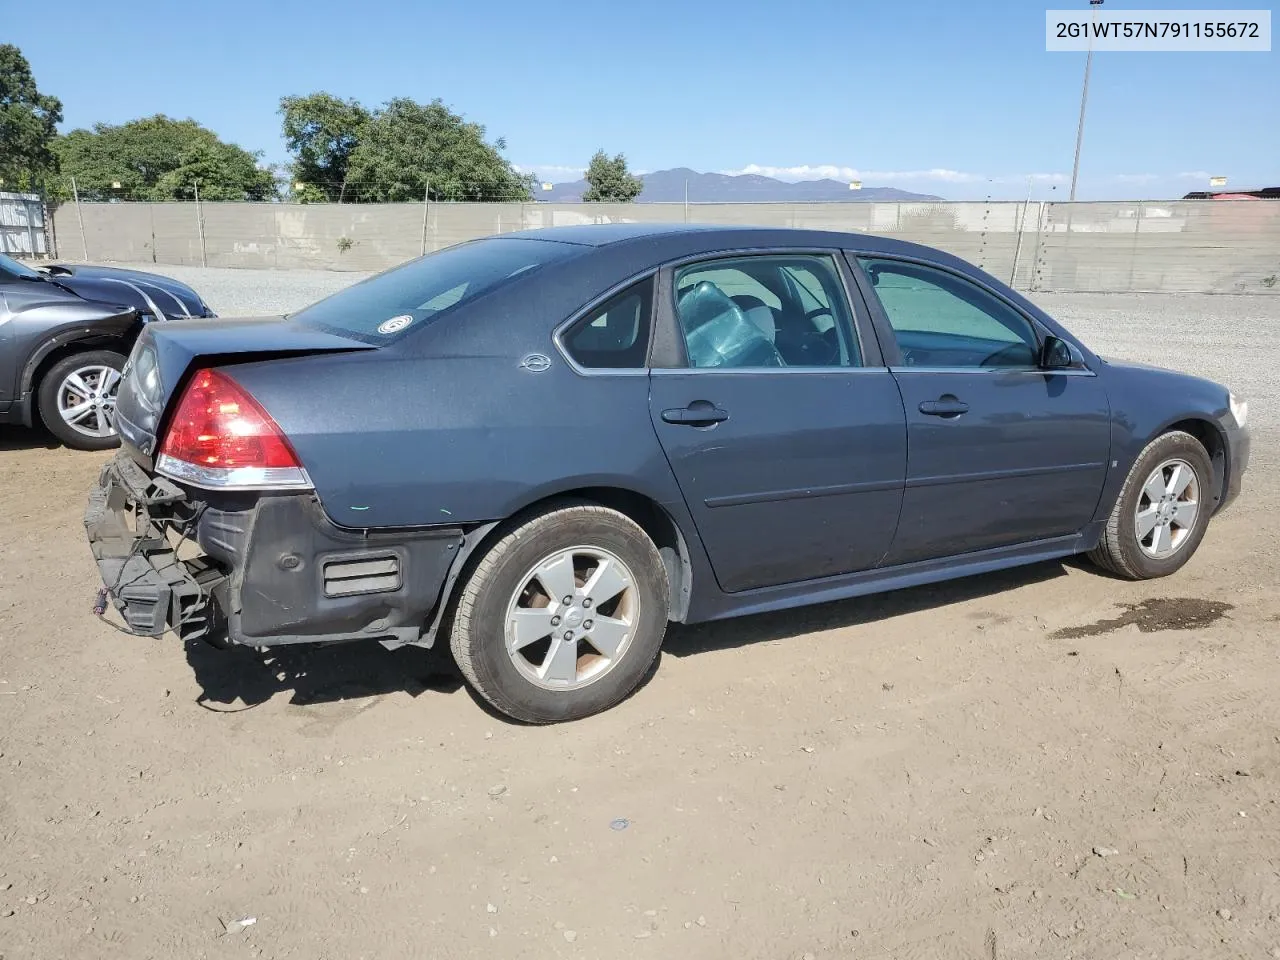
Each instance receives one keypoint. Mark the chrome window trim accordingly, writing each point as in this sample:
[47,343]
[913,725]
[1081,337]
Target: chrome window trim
[685,371]
[752,252]
[988,371]
[972,371]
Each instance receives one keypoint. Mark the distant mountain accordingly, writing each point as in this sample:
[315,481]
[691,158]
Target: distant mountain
[667,186]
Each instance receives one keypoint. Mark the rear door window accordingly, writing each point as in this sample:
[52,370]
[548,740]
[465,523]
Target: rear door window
[772,310]
[421,291]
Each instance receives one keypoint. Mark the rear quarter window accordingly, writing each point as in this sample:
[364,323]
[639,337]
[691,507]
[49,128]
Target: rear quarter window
[412,295]
[614,335]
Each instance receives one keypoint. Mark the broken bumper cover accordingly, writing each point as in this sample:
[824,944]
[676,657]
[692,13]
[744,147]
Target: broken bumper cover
[256,569]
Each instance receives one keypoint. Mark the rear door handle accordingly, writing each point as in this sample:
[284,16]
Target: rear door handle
[699,414]
[947,406]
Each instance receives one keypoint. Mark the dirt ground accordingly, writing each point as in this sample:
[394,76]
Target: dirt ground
[1038,764]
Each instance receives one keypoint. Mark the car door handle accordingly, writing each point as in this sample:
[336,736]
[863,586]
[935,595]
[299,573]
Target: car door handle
[699,414]
[947,406]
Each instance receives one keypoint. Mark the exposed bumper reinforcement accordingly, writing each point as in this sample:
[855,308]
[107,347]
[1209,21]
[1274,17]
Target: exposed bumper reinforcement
[257,570]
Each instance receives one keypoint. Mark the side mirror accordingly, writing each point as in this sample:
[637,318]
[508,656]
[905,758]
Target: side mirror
[1056,354]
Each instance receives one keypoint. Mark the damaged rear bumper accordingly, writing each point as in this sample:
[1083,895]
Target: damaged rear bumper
[257,569]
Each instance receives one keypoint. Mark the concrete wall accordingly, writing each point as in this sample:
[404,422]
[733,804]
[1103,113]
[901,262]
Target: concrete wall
[1221,246]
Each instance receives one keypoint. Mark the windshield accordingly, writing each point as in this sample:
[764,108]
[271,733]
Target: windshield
[423,290]
[11,268]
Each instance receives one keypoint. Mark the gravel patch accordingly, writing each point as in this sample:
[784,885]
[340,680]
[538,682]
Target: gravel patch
[1224,338]
[242,293]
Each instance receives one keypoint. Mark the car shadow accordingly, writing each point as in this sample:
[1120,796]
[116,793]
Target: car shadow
[684,641]
[244,677]
[239,678]
[25,438]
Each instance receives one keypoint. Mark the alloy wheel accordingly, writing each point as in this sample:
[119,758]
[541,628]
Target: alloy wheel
[1167,509]
[572,619]
[87,400]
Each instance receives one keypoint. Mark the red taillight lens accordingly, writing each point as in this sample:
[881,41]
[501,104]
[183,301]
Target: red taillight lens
[218,426]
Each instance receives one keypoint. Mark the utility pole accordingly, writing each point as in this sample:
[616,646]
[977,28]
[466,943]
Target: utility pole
[426,207]
[204,257]
[1084,95]
[80,216]
[1022,223]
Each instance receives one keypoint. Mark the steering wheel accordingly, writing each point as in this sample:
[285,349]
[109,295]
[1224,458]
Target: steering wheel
[807,349]
[819,311]
[1014,355]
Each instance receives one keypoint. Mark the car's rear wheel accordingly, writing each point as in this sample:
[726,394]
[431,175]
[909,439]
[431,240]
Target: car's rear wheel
[77,399]
[563,616]
[1162,512]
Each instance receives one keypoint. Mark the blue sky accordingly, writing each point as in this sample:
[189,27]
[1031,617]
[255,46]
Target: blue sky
[958,99]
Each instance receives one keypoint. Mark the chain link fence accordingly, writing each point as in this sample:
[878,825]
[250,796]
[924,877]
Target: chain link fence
[1212,246]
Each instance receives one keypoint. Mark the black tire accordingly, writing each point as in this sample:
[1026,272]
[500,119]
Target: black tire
[47,398]
[478,633]
[1119,551]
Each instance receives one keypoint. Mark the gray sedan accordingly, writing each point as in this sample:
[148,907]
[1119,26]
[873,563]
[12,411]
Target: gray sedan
[542,448]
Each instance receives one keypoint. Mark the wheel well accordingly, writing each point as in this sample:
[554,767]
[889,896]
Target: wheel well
[647,514]
[62,351]
[662,530]
[1212,440]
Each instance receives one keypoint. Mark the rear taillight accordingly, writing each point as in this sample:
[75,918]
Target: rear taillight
[220,437]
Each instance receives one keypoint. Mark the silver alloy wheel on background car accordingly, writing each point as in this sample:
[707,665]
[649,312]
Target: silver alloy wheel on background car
[1167,509]
[87,399]
[572,618]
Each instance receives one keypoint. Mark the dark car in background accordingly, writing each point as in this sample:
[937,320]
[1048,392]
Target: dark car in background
[65,332]
[545,446]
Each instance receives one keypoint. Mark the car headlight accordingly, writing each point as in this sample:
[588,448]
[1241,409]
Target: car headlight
[1239,409]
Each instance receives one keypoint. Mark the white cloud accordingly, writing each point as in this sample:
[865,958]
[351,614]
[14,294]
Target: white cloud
[830,171]
[874,177]
[550,171]
[1140,178]
[955,184]
[560,173]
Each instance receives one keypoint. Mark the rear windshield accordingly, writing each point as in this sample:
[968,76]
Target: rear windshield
[421,291]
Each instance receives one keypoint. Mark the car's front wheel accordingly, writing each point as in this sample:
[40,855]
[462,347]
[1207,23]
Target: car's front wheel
[77,399]
[1162,512]
[563,616]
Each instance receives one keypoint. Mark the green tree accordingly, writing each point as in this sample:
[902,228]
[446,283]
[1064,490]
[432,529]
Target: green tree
[392,154]
[610,181]
[321,131]
[223,172]
[159,158]
[28,123]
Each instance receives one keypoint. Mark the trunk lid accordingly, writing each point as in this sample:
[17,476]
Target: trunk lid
[166,354]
